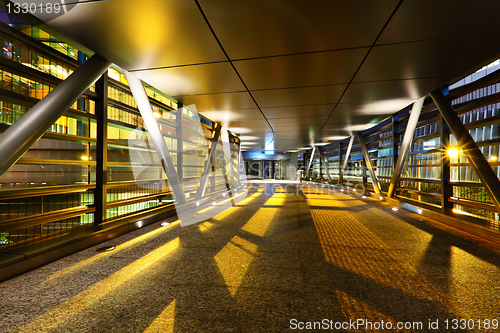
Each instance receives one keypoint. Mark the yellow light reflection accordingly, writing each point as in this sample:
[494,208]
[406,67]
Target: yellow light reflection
[221,202]
[278,199]
[204,226]
[165,321]
[64,311]
[260,221]
[118,248]
[233,261]
[250,198]
[344,240]
[224,214]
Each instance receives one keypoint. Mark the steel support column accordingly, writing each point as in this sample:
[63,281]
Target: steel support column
[238,165]
[161,148]
[179,131]
[366,156]
[322,157]
[226,147]
[395,139]
[207,167]
[346,159]
[101,111]
[310,162]
[405,145]
[446,188]
[340,163]
[21,135]
[465,141]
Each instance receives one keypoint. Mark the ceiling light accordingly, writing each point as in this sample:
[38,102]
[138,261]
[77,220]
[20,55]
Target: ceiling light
[248,137]
[493,158]
[157,114]
[395,209]
[85,158]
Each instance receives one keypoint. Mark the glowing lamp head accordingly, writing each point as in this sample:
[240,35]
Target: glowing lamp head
[493,158]
[157,114]
[84,158]
[453,152]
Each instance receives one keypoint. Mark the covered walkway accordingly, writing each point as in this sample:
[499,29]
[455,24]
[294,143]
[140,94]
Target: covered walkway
[286,255]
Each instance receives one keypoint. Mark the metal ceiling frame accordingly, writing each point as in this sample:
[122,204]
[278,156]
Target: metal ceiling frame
[369,166]
[322,158]
[207,167]
[346,159]
[142,99]
[476,158]
[405,145]
[310,162]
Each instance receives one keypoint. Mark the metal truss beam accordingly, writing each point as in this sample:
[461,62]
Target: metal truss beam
[465,142]
[366,156]
[21,135]
[101,172]
[207,167]
[346,159]
[322,157]
[226,146]
[161,148]
[405,145]
[310,162]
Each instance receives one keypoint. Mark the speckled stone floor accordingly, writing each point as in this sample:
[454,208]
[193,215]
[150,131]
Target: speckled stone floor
[280,260]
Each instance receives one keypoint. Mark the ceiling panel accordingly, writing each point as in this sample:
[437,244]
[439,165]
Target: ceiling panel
[301,70]
[234,118]
[299,122]
[370,109]
[216,102]
[298,111]
[430,19]
[388,91]
[427,59]
[283,50]
[193,80]
[348,118]
[138,35]
[299,96]
[257,28]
